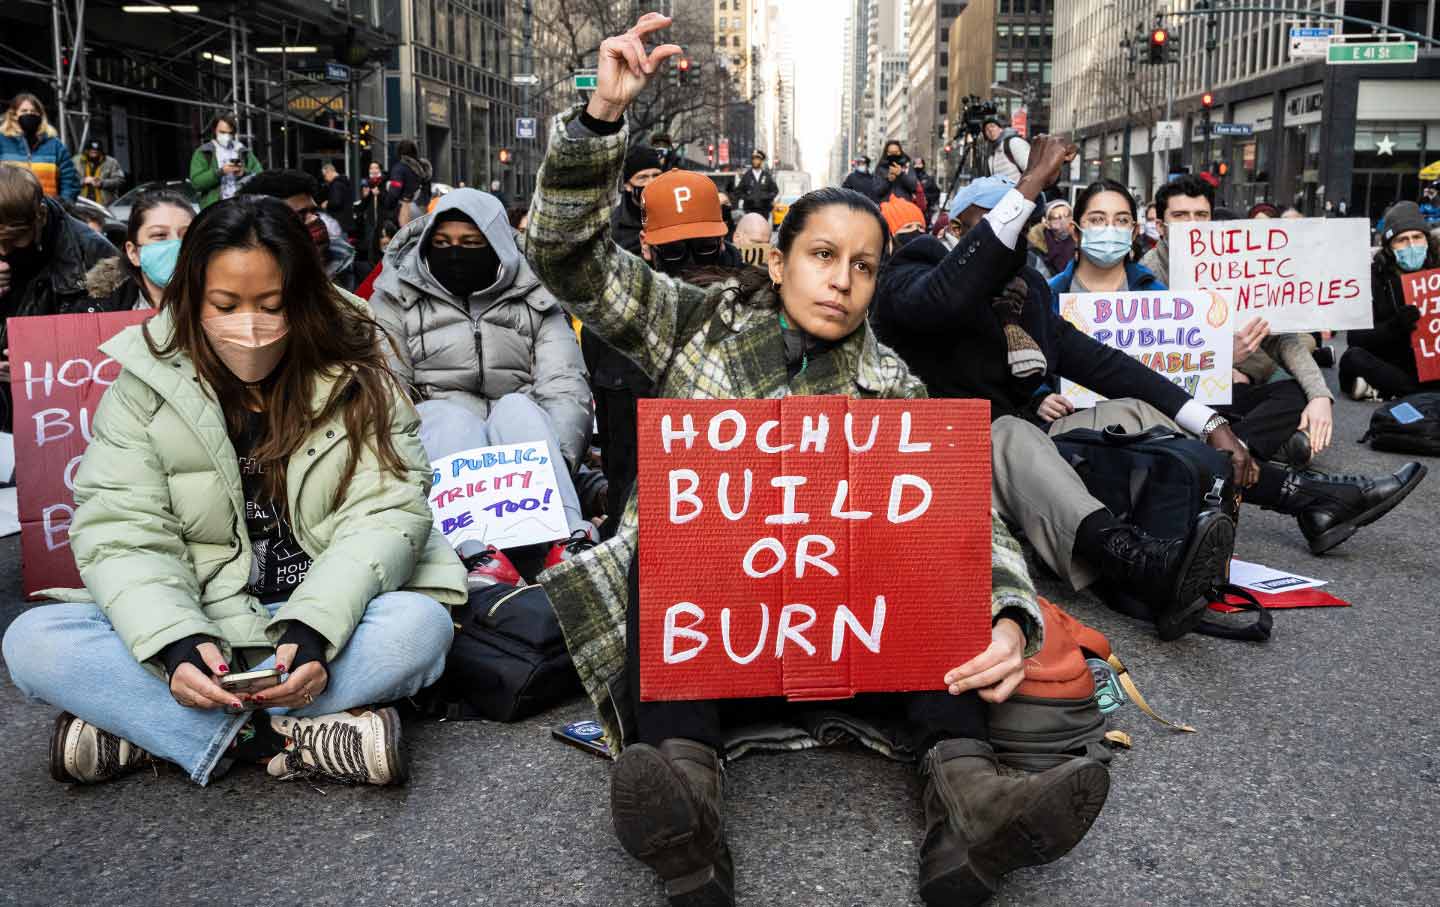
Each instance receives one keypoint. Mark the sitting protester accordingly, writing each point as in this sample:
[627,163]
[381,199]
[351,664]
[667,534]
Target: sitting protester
[299,190]
[1052,241]
[1380,361]
[387,233]
[684,225]
[798,329]
[44,256]
[1286,420]
[752,230]
[158,221]
[643,165]
[975,322]
[488,353]
[254,498]
[1104,228]
[904,219]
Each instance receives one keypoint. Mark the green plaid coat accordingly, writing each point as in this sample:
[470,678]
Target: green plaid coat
[696,343]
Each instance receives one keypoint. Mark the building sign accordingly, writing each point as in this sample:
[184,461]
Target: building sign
[437,108]
[1242,129]
[1374,52]
[1309,43]
[1169,135]
[524,127]
[337,72]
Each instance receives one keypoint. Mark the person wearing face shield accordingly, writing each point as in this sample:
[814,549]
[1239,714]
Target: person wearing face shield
[220,166]
[253,498]
[488,352]
[28,140]
[1380,363]
[299,190]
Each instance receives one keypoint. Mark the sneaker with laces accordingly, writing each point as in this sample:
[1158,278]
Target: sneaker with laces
[561,552]
[81,752]
[490,567]
[349,747]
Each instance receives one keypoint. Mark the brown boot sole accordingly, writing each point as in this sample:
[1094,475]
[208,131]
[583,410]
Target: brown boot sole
[1053,822]
[656,824]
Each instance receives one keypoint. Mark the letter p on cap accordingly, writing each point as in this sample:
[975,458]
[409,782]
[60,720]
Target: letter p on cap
[682,195]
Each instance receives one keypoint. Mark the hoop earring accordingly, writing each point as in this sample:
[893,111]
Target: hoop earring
[775,288]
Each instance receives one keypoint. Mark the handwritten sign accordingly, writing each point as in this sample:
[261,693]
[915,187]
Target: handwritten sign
[1422,290]
[1187,337]
[811,547]
[1299,275]
[504,496]
[57,377]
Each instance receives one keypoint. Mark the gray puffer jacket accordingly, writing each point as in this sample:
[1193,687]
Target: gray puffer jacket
[511,337]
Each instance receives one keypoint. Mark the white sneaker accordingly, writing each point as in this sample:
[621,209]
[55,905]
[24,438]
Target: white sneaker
[80,751]
[361,748]
[1363,391]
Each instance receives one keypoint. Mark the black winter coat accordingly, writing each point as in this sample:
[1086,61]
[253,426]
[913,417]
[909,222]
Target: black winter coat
[1389,339]
[758,196]
[934,309]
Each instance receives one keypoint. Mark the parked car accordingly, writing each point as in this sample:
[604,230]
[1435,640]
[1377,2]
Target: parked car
[120,209]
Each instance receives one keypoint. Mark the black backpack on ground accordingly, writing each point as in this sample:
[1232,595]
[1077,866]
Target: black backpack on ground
[1408,425]
[1160,480]
[508,660]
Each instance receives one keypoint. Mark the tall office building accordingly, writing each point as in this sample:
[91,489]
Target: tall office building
[929,74]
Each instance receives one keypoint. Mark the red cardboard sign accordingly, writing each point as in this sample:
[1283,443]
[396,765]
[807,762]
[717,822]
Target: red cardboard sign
[57,376]
[811,547]
[1422,290]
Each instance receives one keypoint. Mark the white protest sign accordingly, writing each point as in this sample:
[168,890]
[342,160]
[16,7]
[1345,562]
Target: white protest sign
[504,496]
[1309,274]
[1185,337]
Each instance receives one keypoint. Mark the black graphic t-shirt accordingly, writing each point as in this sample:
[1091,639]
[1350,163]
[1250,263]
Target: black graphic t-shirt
[279,563]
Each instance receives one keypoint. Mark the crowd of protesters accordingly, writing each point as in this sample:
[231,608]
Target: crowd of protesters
[265,409]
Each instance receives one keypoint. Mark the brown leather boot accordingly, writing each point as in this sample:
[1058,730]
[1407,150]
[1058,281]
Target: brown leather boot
[980,825]
[667,807]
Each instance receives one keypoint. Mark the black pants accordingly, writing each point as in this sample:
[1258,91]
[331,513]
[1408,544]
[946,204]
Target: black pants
[923,719]
[1390,378]
[1265,415]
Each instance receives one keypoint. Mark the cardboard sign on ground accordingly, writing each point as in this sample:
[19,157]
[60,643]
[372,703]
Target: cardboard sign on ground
[57,376]
[504,496]
[1422,290]
[1311,274]
[1186,337]
[811,547]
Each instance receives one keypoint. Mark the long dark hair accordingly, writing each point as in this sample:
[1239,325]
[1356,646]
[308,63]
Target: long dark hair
[328,337]
[147,202]
[754,283]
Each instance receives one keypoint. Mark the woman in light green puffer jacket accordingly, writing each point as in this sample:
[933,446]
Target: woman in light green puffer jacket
[254,497]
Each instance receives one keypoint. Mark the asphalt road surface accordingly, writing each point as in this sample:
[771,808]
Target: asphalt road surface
[1313,780]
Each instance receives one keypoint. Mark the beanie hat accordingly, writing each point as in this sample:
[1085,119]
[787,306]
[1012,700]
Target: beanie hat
[642,158]
[900,214]
[1401,217]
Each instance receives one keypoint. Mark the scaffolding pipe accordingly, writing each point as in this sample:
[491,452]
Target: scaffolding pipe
[234,76]
[78,44]
[245,56]
[59,72]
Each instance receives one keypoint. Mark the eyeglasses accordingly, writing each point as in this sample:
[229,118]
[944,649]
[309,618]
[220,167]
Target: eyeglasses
[1095,219]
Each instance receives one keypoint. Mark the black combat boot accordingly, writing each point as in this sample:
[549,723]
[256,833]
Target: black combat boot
[1172,576]
[981,825]
[668,810]
[1330,508]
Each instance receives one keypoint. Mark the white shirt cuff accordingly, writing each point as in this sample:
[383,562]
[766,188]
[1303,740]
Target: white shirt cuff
[1193,416]
[1008,218]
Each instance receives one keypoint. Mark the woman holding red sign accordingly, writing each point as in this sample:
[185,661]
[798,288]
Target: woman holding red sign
[261,567]
[799,329]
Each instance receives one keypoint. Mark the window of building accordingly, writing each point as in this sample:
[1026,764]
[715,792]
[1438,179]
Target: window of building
[1002,70]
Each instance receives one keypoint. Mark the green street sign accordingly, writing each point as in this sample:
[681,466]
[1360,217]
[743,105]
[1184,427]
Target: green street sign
[1374,52]
[587,81]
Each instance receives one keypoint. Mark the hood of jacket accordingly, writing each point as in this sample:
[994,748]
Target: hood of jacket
[407,276]
[107,276]
[420,166]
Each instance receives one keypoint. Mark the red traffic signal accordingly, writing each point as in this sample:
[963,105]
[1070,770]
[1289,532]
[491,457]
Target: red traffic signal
[504,155]
[1207,100]
[684,64]
[1158,37]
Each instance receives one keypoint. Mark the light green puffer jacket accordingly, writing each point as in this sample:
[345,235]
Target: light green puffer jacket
[159,530]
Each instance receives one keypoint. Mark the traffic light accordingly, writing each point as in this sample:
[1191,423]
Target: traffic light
[682,70]
[1220,169]
[367,135]
[710,154]
[505,156]
[1207,100]
[1159,39]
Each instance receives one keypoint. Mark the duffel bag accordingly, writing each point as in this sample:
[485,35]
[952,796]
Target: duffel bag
[1408,425]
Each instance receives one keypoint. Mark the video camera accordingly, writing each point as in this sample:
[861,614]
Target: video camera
[976,110]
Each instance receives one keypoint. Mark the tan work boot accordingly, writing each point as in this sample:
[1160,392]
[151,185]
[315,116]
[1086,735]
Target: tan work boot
[668,809]
[353,748]
[980,825]
[81,752]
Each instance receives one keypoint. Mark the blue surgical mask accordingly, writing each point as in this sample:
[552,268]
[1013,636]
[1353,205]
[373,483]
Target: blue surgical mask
[157,260]
[1411,258]
[1105,247]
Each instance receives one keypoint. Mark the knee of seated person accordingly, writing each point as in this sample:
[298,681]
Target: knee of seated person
[31,642]
[515,405]
[417,623]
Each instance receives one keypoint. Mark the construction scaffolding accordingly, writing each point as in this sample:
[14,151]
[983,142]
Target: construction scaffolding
[207,66]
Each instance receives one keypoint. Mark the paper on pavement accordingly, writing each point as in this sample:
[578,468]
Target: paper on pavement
[1259,578]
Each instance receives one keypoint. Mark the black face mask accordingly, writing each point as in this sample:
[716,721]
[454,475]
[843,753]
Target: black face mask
[672,258]
[25,260]
[462,270]
[29,123]
[635,195]
[904,238]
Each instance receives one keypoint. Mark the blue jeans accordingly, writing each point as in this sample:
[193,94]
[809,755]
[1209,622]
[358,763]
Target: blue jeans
[70,657]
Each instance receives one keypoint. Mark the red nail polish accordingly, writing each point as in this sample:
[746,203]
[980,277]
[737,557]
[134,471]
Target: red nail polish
[280,668]
[224,668]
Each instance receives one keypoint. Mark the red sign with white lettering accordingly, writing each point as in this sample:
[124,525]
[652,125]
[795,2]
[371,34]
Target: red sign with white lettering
[811,547]
[1422,290]
[57,376]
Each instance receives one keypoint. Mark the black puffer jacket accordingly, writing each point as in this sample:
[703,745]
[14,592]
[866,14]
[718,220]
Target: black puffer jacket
[70,249]
[1389,339]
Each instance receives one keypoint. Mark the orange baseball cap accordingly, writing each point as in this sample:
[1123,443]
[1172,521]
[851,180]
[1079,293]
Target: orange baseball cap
[680,205]
[900,214]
